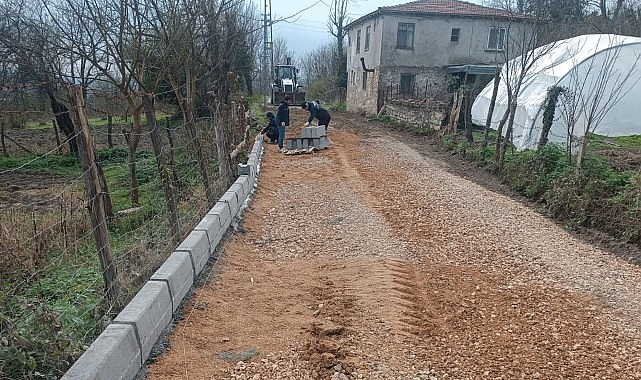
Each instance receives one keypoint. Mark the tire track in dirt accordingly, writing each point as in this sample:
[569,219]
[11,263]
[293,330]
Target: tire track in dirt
[412,317]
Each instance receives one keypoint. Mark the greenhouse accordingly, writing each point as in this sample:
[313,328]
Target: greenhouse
[598,76]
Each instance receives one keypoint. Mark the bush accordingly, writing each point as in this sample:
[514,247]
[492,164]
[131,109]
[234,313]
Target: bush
[41,333]
[532,173]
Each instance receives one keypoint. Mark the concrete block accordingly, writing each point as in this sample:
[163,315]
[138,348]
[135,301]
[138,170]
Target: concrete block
[210,223]
[224,214]
[320,131]
[197,244]
[238,188]
[258,144]
[115,354]
[149,312]
[322,142]
[231,197]
[243,169]
[178,273]
[253,159]
[306,132]
[246,184]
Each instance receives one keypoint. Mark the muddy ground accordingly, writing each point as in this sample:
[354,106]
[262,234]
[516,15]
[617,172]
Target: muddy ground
[384,258]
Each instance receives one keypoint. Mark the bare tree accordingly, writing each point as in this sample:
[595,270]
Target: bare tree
[30,49]
[176,30]
[338,19]
[113,45]
[593,89]
[226,31]
[521,41]
[318,71]
[281,52]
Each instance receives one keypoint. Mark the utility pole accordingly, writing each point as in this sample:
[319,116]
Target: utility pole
[267,48]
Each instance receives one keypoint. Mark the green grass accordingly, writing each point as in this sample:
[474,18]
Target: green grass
[598,142]
[50,164]
[35,125]
[94,122]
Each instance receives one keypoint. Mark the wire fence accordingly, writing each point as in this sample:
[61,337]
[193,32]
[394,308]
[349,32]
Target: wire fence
[53,297]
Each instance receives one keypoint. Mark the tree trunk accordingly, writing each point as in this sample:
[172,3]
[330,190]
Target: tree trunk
[224,164]
[110,131]
[456,111]
[202,162]
[508,136]
[4,145]
[499,136]
[55,130]
[172,162]
[163,169]
[583,147]
[61,113]
[132,143]
[133,181]
[548,114]
[490,110]
[469,136]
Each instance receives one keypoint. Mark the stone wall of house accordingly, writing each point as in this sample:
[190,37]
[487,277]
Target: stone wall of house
[361,100]
[429,83]
[427,114]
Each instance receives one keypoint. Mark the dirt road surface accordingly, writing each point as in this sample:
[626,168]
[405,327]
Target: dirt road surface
[371,260]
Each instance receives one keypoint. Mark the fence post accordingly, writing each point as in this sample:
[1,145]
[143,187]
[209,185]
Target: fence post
[94,194]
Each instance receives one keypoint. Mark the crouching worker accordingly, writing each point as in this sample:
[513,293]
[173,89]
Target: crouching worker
[316,111]
[271,130]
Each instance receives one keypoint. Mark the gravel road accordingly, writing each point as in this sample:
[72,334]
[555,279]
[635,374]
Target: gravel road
[371,260]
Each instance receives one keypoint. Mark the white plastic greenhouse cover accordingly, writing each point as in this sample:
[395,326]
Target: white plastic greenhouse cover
[561,63]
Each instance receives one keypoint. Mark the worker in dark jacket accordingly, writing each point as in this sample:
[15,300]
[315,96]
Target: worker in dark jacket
[318,112]
[271,130]
[282,117]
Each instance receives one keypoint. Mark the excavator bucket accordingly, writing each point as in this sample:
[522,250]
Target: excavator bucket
[298,97]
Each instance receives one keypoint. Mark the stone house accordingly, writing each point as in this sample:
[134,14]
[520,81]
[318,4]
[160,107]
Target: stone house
[410,50]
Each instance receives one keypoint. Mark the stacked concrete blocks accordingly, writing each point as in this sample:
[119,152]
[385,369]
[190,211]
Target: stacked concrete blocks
[314,136]
[124,346]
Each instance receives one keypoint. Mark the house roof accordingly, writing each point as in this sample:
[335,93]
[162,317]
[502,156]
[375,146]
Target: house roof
[442,7]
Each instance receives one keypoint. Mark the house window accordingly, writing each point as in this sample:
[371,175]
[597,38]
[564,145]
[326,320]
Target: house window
[358,41]
[367,30]
[496,39]
[364,80]
[405,36]
[407,84]
[455,34]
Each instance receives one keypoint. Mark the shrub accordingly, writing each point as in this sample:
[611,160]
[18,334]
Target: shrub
[531,173]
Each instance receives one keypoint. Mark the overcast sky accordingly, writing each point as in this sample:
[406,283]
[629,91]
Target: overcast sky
[305,27]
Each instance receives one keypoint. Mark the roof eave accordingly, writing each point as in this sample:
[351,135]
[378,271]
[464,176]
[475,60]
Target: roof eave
[381,11]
